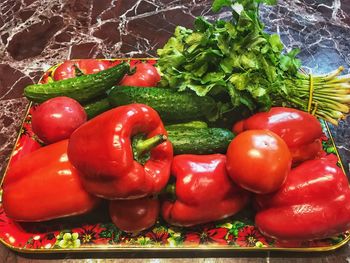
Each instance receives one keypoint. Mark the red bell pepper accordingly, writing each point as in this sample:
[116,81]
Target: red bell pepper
[204,192]
[300,130]
[313,203]
[102,150]
[134,215]
[25,145]
[44,185]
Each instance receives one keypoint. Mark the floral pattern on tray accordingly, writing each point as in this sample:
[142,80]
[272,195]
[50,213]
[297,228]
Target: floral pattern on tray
[235,232]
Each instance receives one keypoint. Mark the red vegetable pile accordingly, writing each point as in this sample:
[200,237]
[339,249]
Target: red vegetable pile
[275,162]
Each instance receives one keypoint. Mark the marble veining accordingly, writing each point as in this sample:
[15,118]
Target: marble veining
[12,113]
[321,31]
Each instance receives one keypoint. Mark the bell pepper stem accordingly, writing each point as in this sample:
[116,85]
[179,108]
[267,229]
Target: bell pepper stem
[78,71]
[147,144]
[169,192]
[170,189]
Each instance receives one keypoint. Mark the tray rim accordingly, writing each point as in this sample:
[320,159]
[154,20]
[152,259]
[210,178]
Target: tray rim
[130,249]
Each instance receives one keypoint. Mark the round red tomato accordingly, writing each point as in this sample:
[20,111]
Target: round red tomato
[258,161]
[57,118]
[134,215]
[87,66]
[146,75]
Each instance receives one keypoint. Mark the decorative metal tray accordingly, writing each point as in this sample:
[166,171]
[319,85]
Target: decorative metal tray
[94,232]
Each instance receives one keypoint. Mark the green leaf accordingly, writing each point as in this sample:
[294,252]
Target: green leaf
[270,70]
[264,49]
[245,23]
[234,95]
[231,29]
[227,65]
[256,91]
[239,80]
[213,77]
[201,90]
[249,61]
[276,44]
[218,4]
[247,101]
[223,44]
[268,2]
[257,43]
[194,38]
[174,43]
[199,72]
[193,41]
[289,62]
[201,24]
[175,59]
[285,62]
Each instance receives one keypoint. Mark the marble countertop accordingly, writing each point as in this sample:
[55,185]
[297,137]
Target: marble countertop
[36,34]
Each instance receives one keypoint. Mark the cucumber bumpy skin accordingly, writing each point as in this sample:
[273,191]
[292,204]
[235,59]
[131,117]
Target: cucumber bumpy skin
[191,124]
[186,140]
[82,88]
[172,106]
[97,107]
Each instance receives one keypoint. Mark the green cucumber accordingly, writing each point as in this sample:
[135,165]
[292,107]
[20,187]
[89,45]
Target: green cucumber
[191,124]
[171,105]
[188,140]
[82,88]
[95,108]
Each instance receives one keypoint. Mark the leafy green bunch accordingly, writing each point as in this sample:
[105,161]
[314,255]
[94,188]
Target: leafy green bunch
[238,59]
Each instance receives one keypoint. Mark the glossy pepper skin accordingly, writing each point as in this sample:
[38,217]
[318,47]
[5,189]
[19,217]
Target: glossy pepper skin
[44,185]
[101,150]
[300,130]
[204,192]
[25,145]
[313,203]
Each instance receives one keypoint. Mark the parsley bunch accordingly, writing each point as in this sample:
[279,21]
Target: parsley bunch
[238,59]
